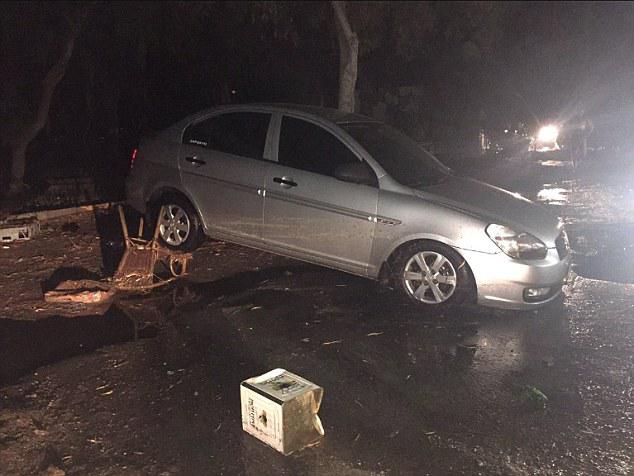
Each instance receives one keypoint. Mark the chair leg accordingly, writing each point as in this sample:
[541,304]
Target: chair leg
[124,226]
[158,224]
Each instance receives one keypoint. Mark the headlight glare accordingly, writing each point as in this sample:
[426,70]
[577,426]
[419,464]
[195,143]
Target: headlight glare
[548,133]
[516,245]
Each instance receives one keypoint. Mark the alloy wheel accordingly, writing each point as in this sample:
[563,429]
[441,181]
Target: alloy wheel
[175,225]
[430,277]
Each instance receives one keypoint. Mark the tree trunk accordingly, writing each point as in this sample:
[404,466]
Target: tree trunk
[49,84]
[348,58]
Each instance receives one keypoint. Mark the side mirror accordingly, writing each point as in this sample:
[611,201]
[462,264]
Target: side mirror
[356,172]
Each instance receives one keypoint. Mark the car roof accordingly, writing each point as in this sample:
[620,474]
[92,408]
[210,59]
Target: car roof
[323,115]
[329,114]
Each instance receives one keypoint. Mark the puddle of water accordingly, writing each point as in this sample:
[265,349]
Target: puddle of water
[75,330]
[556,163]
[26,345]
[554,195]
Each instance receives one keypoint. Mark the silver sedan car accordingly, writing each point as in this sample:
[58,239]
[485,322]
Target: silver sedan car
[350,193]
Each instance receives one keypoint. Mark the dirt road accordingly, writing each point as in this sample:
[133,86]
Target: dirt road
[405,393]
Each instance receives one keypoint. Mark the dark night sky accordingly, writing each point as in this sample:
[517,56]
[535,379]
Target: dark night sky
[559,56]
[549,58]
[149,64]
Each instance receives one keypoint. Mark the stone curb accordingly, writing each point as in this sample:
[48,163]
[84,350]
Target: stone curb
[44,215]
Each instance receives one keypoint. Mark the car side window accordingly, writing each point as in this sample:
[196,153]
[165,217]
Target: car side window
[307,146]
[236,133]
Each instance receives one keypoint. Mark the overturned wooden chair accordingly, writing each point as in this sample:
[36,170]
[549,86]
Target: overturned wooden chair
[135,273]
[136,268]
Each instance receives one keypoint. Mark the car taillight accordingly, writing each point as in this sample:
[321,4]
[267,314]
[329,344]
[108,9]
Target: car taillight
[133,157]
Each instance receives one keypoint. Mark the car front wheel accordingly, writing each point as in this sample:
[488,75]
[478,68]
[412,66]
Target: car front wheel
[432,275]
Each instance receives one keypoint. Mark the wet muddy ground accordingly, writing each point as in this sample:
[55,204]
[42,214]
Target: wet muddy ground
[152,386]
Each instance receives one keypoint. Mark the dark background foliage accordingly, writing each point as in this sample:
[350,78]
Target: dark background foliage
[441,71]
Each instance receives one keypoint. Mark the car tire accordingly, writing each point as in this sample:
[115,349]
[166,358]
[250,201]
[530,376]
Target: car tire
[432,275]
[179,225]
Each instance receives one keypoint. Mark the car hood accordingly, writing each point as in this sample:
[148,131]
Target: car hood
[494,205]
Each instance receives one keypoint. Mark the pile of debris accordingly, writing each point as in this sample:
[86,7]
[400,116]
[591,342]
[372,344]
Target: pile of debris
[135,272]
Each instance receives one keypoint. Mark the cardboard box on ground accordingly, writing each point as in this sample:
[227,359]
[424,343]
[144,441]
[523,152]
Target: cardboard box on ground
[280,408]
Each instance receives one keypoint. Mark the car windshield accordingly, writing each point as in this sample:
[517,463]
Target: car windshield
[402,158]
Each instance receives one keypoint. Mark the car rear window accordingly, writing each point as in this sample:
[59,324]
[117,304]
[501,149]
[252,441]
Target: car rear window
[236,133]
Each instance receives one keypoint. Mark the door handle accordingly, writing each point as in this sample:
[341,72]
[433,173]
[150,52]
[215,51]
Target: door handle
[285,182]
[195,161]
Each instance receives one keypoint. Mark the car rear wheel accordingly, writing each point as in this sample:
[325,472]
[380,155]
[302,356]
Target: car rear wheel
[179,226]
[432,275]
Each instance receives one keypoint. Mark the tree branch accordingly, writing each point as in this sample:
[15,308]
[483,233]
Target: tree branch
[49,84]
[342,19]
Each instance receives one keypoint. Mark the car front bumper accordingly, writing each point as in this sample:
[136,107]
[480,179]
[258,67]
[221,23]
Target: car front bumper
[502,281]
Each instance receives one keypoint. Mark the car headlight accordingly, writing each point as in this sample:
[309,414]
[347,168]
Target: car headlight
[516,245]
[548,133]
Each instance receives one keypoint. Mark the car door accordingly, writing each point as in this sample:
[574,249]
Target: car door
[222,168]
[308,213]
